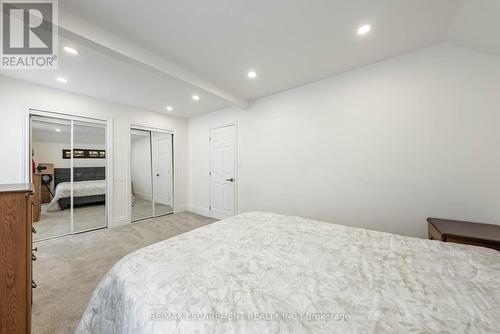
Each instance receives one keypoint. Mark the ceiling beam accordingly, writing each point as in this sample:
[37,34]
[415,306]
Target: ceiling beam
[73,27]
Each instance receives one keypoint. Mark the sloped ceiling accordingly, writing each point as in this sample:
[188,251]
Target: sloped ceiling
[476,26]
[153,54]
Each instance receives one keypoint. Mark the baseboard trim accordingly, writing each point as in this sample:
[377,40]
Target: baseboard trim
[120,221]
[180,208]
[199,210]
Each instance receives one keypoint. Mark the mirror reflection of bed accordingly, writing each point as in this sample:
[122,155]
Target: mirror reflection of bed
[151,173]
[89,188]
[51,145]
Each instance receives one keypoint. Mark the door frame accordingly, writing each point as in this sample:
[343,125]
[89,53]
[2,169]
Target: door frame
[32,111]
[136,126]
[236,163]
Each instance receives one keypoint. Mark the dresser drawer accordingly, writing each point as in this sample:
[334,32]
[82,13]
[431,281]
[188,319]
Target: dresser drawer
[15,255]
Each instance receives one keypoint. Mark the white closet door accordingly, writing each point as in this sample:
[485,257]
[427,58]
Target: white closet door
[222,172]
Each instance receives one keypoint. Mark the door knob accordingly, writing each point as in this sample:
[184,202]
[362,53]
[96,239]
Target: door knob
[230,180]
[157,174]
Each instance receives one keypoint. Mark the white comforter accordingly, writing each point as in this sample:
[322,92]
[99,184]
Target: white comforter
[80,188]
[267,273]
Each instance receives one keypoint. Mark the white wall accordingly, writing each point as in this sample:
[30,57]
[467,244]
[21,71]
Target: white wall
[17,96]
[381,147]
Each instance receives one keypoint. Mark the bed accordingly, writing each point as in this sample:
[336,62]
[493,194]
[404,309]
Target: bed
[89,187]
[268,273]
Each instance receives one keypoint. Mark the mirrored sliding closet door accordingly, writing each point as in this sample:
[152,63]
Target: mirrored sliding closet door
[68,171]
[151,169]
[140,169]
[89,176]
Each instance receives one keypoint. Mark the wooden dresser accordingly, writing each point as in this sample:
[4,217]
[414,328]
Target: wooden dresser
[16,256]
[37,197]
[462,232]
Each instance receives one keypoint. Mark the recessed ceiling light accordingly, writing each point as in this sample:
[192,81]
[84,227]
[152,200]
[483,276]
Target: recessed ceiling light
[70,50]
[169,108]
[196,97]
[252,74]
[58,130]
[61,79]
[364,29]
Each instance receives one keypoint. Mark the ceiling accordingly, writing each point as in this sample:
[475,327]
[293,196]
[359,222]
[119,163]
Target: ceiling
[288,42]
[157,53]
[476,26]
[104,76]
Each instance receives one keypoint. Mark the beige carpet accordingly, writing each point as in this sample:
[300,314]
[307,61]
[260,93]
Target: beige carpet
[69,268]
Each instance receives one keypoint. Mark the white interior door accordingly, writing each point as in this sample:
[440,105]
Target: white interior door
[222,172]
[162,162]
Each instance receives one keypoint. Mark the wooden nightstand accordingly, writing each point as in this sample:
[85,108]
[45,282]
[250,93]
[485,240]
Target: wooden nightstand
[462,232]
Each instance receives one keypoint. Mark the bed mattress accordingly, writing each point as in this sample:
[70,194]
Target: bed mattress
[80,189]
[268,273]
